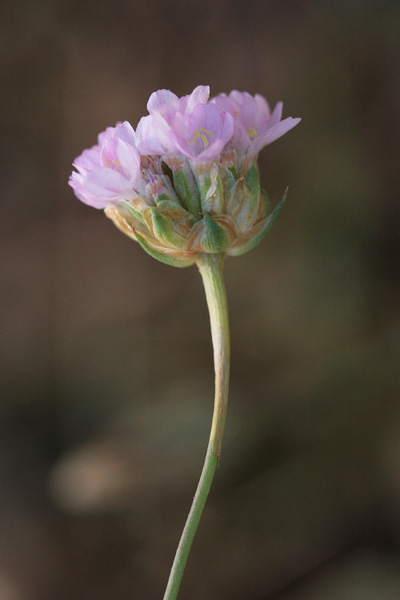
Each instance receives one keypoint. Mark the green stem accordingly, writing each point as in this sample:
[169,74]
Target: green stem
[211,267]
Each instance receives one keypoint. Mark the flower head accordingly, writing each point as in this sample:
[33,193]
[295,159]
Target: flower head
[186,182]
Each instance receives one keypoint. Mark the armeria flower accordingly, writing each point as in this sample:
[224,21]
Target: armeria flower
[153,133]
[255,125]
[202,134]
[110,171]
[186,187]
[187,181]
[186,125]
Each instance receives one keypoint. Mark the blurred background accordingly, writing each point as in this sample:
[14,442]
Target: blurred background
[106,359]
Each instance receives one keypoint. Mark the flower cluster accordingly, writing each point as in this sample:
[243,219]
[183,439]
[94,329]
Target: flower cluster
[186,181]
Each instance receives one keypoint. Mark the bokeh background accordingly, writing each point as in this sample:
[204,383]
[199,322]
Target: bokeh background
[106,358]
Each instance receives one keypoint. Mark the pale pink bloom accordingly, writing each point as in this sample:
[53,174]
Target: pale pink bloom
[109,172]
[255,125]
[155,132]
[202,134]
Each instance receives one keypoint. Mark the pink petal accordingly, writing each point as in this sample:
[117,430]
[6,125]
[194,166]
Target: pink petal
[275,132]
[227,127]
[163,103]
[262,106]
[212,151]
[153,136]
[75,181]
[240,98]
[125,132]
[276,115]
[199,95]
[108,184]
[88,160]
[224,103]
[129,159]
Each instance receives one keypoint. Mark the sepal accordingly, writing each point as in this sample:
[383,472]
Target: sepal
[159,189]
[132,212]
[164,230]
[120,221]
[245,199]
[250,244]
[213,201]
[165,258]
[188,194]
[215,238]
[252,182]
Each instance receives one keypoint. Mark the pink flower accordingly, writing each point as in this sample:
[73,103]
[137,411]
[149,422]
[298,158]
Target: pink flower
[187,134]
[255,126]
[109,172]
[153,133]
[186,125]
[202,134]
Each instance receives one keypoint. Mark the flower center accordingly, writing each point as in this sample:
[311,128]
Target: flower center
[115,163]
[201,133]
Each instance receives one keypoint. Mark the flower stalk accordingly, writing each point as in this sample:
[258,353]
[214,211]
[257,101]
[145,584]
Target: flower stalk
[211,269]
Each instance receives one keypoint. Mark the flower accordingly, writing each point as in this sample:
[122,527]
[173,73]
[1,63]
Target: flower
[255,125]
[186,182]
[186,125]
[109,171]
[202,134]
[153,133]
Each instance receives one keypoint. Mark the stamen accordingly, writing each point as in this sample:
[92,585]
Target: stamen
[115,162]
[201,134]
[252,132]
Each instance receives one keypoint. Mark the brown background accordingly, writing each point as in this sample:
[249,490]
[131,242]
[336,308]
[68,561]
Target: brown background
[106,355]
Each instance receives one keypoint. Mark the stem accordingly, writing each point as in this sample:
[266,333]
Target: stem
[210,266]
